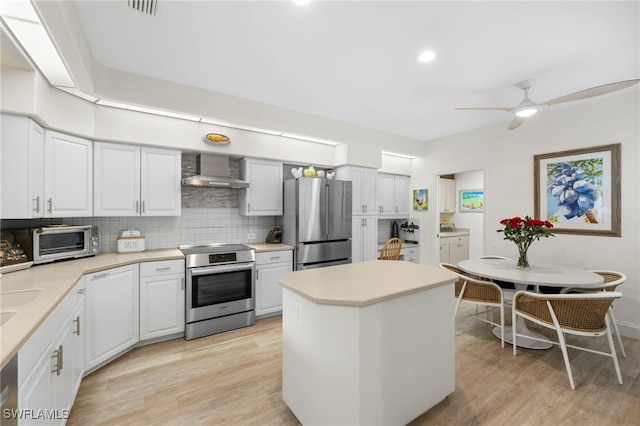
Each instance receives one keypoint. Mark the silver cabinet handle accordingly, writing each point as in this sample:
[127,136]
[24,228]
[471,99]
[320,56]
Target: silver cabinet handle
[95,277]
[249,207]
[137,205]
[50,202]
[77,321]
[37,200]
[274,257]
[57,354]
[182,283]
[81,291]
[143,209]
[168,268]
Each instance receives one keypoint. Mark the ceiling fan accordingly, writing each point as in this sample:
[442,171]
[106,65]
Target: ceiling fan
[527,107]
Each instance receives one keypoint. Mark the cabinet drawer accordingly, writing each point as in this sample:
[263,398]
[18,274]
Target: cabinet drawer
[163,267]
[274,257]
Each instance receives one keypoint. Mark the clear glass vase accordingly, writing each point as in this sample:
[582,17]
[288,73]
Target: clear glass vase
[523,262]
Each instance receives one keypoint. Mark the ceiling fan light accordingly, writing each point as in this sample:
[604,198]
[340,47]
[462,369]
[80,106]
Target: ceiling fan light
[527,112]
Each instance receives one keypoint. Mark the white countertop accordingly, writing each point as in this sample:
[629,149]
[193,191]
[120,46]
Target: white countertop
[365,283]
[56,280]
[453,234]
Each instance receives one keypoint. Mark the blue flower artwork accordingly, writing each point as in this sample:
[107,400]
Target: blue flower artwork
[575,190]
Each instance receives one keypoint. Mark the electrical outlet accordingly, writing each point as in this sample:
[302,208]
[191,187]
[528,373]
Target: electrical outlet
[298,313]
[251,236]
[494,243]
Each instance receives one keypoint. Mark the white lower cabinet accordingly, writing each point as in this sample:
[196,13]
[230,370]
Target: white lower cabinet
[410,254]
[50,369]
[454,249]
[112,312]
[364,238]
[270,267]
[162,301]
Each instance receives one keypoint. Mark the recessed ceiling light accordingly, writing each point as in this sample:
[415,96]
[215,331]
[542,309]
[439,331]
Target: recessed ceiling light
[427,56]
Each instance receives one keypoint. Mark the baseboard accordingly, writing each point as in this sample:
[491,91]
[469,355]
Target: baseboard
[629,330]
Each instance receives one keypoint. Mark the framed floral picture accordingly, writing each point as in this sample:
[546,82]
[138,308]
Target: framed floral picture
[471,201]
[579,190]
[420,199]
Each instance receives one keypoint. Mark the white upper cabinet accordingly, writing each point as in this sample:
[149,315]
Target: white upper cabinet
[364,184]
[447,195]
[134,181]
[393,195]
[264,195]
[68,175]
[160,185]
[22,174]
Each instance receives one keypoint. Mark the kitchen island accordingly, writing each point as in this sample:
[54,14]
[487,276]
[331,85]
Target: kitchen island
[369,343]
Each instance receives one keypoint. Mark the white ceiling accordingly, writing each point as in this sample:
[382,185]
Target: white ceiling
[355,62]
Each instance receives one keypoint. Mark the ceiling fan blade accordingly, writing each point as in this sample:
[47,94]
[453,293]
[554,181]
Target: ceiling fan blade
[516,122]
[594,91]
[486,108]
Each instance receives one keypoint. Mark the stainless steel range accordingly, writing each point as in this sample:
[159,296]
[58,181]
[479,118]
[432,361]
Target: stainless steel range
[220,288]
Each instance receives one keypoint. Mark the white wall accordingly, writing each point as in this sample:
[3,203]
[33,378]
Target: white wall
[507,159]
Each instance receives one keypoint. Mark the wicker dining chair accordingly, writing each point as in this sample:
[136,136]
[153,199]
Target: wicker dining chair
[480,292]
[612,280]
[579,314]
[391,249]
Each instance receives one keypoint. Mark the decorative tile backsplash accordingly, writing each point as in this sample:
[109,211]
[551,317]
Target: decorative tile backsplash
[195,226]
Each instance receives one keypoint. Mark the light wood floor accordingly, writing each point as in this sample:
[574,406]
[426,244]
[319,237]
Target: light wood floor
[234,378]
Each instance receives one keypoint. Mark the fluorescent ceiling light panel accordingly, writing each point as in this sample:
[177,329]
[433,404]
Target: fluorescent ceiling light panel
[147,110]
[310,139]
[397,154]
[241,127]
[21,19]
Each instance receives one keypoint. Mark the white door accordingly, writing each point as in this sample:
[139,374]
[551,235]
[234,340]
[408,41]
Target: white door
[112,313]
[116,179]
[162,306]
[160,187]
[68,171]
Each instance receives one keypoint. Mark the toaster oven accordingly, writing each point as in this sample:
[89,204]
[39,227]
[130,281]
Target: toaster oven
[57,242]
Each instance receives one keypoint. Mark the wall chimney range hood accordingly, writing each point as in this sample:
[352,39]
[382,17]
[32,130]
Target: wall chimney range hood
[213,172]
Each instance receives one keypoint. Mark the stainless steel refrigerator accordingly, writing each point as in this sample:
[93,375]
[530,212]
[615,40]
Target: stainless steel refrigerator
[317,221]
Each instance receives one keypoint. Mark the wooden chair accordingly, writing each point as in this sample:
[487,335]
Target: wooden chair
[579,314]
[391,249]
[480,292]
[612,279]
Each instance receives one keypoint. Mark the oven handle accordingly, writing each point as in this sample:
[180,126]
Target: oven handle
[221,268]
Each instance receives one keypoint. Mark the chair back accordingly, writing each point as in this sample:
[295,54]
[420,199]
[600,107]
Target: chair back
[582,313]
[612,279]
[391,249]
[476,290]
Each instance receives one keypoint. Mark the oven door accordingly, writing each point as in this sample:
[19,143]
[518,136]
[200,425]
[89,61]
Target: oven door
[216,291]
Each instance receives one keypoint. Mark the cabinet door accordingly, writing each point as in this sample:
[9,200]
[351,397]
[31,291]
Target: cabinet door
[458,249]
[444,250]
[34,393]
[112,313]
[264,195]
[160,182]
[162,306]
[369,190]
[68,171]
[22,172]
[79,332]
[386,195]
[364,238]
[268,290]
[447,196]
[116,185]
[62,385]
[401,195]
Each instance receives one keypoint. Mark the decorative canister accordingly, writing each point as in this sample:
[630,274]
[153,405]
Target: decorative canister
[131,241]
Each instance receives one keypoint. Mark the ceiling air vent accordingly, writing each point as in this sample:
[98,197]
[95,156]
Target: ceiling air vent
[145,6]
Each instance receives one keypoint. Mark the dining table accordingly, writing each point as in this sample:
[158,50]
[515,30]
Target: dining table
[538,274]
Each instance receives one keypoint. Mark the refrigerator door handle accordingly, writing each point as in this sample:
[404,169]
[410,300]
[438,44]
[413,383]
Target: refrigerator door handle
[327,210]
